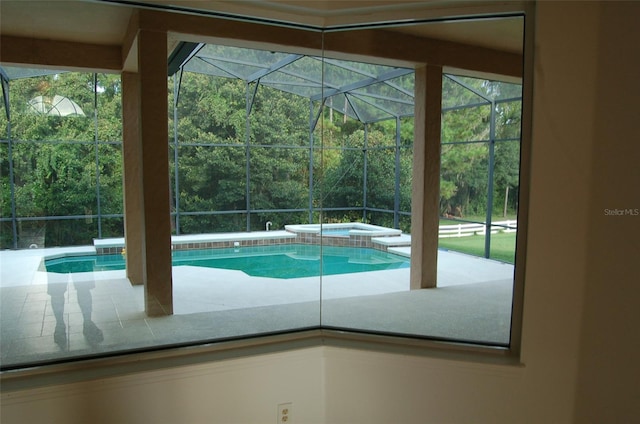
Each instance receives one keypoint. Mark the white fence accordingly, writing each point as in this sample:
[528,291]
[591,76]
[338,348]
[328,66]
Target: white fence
[463,230]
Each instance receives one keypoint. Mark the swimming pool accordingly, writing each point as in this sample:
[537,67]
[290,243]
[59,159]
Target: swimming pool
[278,261]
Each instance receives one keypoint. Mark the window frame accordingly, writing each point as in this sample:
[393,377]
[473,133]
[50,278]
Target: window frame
[156,357]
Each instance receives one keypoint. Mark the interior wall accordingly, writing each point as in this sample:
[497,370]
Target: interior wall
[237,391]
[609,382]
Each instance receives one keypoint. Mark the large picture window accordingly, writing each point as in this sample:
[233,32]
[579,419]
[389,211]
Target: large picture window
[291,203]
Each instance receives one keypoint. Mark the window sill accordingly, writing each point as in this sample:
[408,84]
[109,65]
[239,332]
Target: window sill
[171,357]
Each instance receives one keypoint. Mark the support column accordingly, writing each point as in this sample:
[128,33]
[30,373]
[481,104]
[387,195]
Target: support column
[132,179]
[426,177]
[396,201]
[147,209]
[365,172]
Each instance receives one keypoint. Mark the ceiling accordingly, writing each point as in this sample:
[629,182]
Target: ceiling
[105,21]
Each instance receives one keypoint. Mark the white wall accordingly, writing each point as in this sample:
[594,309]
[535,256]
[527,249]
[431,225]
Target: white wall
[580,336]
[237,391]
[609,381]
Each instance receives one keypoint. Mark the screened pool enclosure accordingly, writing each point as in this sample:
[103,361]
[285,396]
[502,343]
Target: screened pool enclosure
[256,137]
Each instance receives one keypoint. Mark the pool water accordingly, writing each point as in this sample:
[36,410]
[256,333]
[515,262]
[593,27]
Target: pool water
[279,261]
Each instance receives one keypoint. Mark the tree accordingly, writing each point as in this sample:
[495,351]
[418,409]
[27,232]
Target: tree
[54,157]
[464,159]
[60,160]
[213,157]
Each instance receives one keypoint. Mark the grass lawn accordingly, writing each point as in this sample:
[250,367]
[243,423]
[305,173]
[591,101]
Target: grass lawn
[503,246]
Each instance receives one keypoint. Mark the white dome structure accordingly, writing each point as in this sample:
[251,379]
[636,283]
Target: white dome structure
[56,106]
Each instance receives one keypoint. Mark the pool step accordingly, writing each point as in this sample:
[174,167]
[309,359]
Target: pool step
[402,251]
[397,241]
[400,245]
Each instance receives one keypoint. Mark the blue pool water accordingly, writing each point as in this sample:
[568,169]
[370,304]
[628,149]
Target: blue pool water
[279,261]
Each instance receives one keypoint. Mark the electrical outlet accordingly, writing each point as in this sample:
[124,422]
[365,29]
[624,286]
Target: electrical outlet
[285,413]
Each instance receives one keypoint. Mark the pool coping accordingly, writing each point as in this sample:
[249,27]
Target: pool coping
[204,241]
[389,240]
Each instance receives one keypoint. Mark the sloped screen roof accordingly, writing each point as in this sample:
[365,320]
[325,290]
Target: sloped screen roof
[13,72]
[366,92]
[363,91]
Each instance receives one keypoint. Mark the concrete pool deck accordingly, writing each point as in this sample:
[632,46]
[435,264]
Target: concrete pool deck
[472,302]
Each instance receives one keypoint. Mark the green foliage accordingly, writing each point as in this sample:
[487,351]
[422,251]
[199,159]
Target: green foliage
[60,160]
[466,137]
[210,178]
[57,160]
[213,176]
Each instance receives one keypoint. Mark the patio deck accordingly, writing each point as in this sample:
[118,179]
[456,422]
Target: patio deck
[104,313]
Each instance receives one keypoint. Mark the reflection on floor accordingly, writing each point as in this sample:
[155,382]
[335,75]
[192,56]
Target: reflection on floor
[47,316]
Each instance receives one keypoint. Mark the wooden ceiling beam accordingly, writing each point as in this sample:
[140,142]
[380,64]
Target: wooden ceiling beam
[376,45]
[208,29]
[64,55]
[392,47]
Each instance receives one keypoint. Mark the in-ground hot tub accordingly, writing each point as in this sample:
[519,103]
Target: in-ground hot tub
[354,234]
[343,229]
